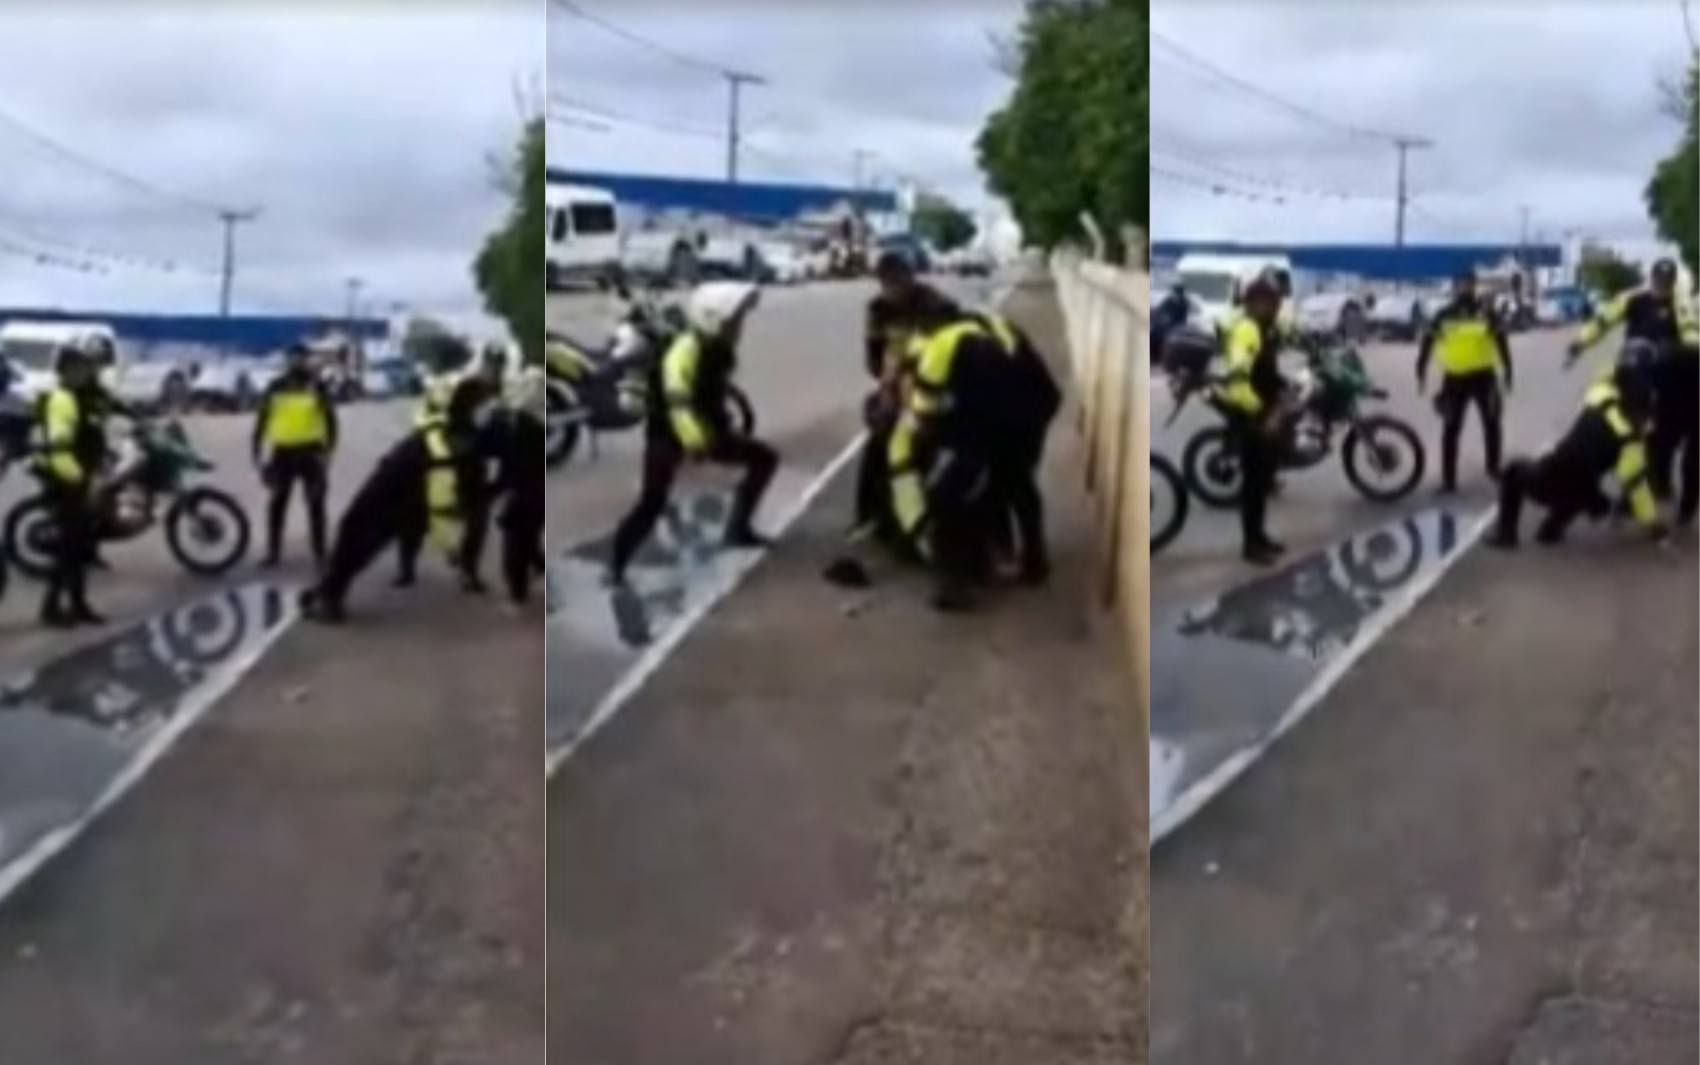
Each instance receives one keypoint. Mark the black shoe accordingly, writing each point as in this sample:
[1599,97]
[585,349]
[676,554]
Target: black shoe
[1548,538]
[1261,555]
[473,584]
[1501,542]
[1271,544]
[848,573]
[747,539]
[1035,573]
[1446,490]
[83,614]
[404,580]
[57,617]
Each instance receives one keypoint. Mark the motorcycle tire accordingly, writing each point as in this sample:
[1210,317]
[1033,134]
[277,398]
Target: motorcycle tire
[740,411]
[188,518]
[29,536]
[1211,468]
[1370,443]
[561,443]
[1167,483]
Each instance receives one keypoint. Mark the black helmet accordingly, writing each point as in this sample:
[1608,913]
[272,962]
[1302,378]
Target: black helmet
[1664,272]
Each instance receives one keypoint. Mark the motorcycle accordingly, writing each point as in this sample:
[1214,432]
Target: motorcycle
[1170,503]
[1325,415]
[206,529]
[604,389]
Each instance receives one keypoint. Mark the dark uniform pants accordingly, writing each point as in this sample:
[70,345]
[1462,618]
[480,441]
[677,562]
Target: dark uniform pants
[75,529]
[1017,506]
[1673,447]
[959,502]
[662,460]
[288,466]
[1260,462]
[1458,393]
[1565,494]
[873,474]
[522,541]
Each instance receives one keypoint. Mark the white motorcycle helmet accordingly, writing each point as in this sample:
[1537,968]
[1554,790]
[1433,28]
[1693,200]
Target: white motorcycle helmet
[715,306]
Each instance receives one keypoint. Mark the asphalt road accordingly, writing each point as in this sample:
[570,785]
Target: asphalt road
[333,865]
[1319,507]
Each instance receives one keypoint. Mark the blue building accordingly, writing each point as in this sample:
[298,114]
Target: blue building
[751,201]
[1377,262]
[239,335]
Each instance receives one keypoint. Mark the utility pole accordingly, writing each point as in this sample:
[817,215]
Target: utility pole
[227,273]
[735,82]
[860,172]
[352,313]
[1404,146]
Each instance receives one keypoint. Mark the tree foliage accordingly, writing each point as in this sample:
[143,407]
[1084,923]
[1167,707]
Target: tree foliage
[1607,273]
[1072,137]
[509,268]
[1673,194]
[942,223]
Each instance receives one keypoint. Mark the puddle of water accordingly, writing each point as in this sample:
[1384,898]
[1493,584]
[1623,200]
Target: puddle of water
[76,729]
[1227,674]
[596,634]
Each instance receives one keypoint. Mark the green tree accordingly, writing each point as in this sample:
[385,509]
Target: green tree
[1073,136]
[942,224]
[509,268]
[1673,194]
[1607,273]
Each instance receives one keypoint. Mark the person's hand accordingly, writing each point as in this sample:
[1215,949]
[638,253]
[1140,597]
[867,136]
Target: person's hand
[1572,352]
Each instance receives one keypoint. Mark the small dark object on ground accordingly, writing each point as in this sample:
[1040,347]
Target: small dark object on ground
[848,573]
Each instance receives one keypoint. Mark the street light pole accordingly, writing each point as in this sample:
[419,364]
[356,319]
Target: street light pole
[735,82]
[227,274]
[1405,146]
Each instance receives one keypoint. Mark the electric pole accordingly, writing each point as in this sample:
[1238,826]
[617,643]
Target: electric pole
[735,82]
[1404,146]
[227,273]
[863,158]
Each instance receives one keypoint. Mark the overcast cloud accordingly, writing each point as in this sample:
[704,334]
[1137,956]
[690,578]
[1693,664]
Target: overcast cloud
[911,83]
[364,136]
[1555,106]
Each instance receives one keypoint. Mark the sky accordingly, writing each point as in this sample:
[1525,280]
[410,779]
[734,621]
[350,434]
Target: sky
[1553,106]
[365,135]
[910,83]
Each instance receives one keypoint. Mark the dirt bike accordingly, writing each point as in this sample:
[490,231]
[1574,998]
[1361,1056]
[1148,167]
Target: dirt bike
[605,388]
[206,529]
[1324,416]
[1170,503]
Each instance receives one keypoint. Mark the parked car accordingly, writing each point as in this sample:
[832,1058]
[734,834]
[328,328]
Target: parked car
[392,378]
[780,264]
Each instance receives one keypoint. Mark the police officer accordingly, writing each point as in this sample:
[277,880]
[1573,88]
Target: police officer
[1031,401]
[1607,437]
[1474,356]
[295,435]
[520,484]
[688,422]
[889,326]
[444,363]
[68,477]
[415,486]
[944,447]
[1666,319]
[99,406]
[1252,393]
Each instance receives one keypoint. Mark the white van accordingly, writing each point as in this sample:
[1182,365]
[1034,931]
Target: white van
[581,234]
[1214,282]
[30,349]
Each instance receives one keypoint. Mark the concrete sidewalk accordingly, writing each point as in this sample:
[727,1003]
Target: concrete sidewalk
[1481,848]
[847,830]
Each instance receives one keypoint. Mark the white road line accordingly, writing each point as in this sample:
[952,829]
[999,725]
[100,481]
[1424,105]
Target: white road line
[728,578]
[655,656]
[196,705]
[1206,788]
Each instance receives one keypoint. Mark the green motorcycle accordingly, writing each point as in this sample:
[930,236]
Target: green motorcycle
[206,529]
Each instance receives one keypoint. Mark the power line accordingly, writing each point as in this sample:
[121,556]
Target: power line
[1196,62]
[120,177]
[570,7]
[1189,159]
[580,110]
[1215,187]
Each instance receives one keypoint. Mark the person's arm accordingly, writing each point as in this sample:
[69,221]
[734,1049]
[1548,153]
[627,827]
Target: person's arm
[1632,471]
[333,421]
[1602,323]
[1502,341]
[262,416]
[874,341]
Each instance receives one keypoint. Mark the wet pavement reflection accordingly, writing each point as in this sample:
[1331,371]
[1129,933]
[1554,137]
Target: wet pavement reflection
[74,729]
[1226,674]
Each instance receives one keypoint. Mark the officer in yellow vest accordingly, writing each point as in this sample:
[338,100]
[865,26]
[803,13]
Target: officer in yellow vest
[1475,357]
[943,450]
[1608,437]
[417,485]
[63,464]
[1032,401]
[1252,393]
[688,422]
[295,435]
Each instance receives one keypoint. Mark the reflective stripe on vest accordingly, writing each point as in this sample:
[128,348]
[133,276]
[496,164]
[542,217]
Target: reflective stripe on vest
[442,489]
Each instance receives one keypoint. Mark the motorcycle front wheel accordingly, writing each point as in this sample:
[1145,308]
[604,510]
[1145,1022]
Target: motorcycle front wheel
[1384,459]
[1170,503]
[1211,467]
[207,531]
[32,537]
